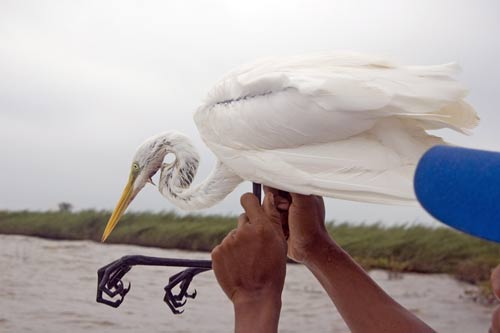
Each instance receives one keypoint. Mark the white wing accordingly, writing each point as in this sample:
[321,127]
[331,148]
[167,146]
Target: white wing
[341,125]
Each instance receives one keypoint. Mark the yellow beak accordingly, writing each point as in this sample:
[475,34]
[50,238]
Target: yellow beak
[122,205]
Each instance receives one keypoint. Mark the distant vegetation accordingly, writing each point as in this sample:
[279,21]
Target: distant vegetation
[65,207]
[400,248]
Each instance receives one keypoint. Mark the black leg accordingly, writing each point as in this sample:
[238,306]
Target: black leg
[257,191]
[109,278]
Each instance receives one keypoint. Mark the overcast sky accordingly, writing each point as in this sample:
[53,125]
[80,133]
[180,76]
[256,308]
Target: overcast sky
[83,83]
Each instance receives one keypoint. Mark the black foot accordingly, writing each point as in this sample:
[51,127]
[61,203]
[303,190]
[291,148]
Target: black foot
[182,280]
[109,279]
[109,282]
[257,190]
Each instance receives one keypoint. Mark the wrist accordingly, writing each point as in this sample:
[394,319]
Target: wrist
[323,250]
[257,313]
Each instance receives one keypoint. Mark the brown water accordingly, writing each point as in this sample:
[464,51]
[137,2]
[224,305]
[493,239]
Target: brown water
[49,286]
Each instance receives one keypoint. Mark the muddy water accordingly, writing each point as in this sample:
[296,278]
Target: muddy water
[49,286]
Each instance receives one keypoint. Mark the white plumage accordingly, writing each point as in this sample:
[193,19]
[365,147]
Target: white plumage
[341,125]
[348,126]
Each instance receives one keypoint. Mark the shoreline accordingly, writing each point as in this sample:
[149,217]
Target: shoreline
[413,248]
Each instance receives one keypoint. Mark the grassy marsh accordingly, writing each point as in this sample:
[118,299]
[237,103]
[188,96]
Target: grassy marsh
[399,248]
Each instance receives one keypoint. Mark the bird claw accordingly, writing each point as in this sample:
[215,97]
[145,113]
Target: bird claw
[182,280]
[109,282]
[109,279]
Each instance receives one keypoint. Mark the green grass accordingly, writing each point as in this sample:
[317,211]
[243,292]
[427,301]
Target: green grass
[165,230]
[400,248]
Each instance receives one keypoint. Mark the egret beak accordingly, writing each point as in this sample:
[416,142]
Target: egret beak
[126,198]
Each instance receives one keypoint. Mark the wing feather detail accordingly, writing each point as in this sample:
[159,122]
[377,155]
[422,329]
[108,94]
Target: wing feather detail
[376,166]
[343,125]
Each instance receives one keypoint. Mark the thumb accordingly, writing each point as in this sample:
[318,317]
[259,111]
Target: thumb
[270,209]
[251,205]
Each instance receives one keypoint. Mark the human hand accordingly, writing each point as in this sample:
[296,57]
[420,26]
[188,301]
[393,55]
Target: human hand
[250,265]
[303,220]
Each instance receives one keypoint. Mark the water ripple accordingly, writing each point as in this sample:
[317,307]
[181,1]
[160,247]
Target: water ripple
[51,285]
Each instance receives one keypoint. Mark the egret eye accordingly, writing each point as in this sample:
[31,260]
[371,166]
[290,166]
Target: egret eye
[135,167]
[169,159]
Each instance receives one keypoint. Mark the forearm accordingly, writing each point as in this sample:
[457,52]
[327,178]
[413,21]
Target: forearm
[363,305]
[257,315]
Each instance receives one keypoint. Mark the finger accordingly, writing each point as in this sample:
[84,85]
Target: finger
[242,220]
[282,199]
[301,200]
[232,234]
[216,254]
[268,189]
[229,238]
[282,202]
[252,207]
[218,263]
[270,209]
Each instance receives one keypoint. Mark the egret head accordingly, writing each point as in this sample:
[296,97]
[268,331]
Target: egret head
[146,162]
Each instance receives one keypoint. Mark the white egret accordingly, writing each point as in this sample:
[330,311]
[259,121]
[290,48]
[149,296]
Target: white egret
[341,125]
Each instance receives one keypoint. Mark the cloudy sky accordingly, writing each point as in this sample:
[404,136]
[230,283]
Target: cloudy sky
[83,83]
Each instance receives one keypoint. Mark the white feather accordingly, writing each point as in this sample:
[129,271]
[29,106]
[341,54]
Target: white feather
[342,125]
